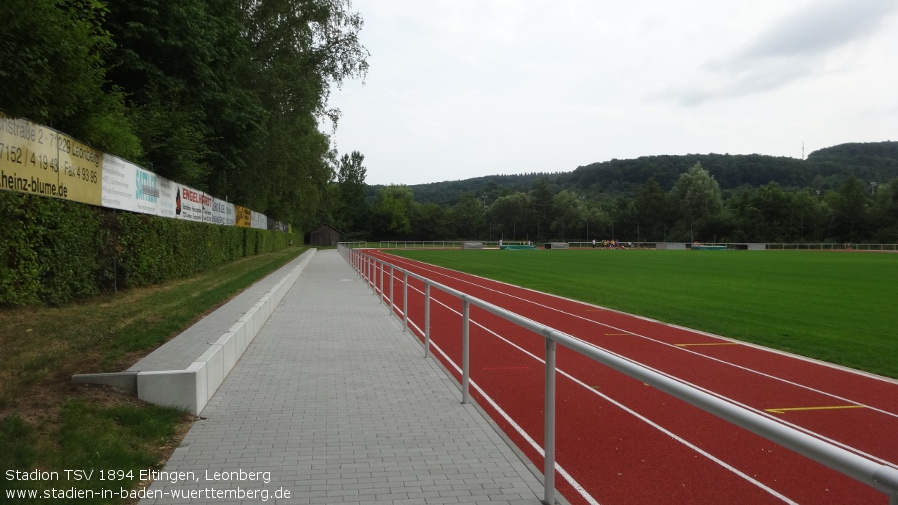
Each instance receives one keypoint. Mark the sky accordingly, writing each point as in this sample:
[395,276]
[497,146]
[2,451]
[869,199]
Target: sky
[458,89]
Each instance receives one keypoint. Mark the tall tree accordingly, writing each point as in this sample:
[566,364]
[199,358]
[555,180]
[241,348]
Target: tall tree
[392,207]
[652,211]
[178,63]
[851,210]
[467,217]
[54,72]
[298,50]
[697,196]
[352,207]
[568,215]
[510,215]
[541,197]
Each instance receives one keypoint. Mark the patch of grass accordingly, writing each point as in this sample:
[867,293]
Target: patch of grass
[47,422]
[833,306]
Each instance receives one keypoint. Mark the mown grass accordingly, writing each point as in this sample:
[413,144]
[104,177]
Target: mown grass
[47,422]
[834,306]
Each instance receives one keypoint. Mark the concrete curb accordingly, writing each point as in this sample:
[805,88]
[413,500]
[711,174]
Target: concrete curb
[192,388]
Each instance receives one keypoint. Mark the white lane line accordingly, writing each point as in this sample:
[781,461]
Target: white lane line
[741,367]
[605,397]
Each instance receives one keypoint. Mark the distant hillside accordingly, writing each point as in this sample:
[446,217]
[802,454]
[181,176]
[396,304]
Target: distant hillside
[823,169]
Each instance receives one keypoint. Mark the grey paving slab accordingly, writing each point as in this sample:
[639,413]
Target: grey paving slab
[333,403]
[182,350]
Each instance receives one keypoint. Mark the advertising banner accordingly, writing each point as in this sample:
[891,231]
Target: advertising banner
[189,204]
[259,220]
[38,160]
[41,161]
[146,192]
[278,226]
[167,202]
[222,212]
[243,217]
[126,186]
[118,183]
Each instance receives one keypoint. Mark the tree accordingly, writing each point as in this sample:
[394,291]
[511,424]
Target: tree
[851,210]
[543,207]
[568,214]
[297,51]
[351,208]
[53,72]
[885,212]
[774,213]
[806,216]
[392,206]
[466,217]
[697,196]
[652,211]
[510,215]
[178,62]
[429,222]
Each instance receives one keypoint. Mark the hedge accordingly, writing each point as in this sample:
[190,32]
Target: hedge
[54,251]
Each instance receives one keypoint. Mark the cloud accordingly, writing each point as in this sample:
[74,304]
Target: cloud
[796,46]
[819,27]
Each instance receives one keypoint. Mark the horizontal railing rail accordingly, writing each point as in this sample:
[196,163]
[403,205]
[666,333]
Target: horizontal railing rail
[583,244]
[883,478]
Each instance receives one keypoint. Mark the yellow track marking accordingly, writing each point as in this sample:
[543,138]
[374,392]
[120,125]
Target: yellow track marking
[707,343]
[831,407]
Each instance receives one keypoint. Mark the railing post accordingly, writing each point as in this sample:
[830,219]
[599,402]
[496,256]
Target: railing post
[426,318]
[404,301]
[380,271]
[391,290]
[465,349]
[549,435]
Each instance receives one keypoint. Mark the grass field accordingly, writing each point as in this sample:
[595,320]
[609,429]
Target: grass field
[834,306]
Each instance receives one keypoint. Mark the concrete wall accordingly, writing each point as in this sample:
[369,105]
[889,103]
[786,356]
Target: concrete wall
[192,388]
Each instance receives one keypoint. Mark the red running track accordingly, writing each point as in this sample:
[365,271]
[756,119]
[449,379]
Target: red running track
[620,441]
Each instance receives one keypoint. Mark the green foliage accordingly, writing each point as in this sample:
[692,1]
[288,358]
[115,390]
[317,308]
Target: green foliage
[392,207]
[155,249]
[54,251]
[54,71]
[48,250]
[219,95]
[697,196]
[350,208]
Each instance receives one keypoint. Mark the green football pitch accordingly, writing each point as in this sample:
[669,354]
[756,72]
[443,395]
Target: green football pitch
[840,307]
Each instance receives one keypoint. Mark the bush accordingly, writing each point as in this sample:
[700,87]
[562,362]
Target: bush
[54,251]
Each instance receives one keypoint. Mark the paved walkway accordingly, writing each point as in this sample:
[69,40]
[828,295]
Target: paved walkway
[333,403]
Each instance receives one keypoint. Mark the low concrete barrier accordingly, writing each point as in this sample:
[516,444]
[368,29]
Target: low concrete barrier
[192,388]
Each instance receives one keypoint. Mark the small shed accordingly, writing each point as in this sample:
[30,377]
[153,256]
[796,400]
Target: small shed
[324,235]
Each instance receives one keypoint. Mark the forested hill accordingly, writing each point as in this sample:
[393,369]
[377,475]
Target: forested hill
[823,169]
[446,193]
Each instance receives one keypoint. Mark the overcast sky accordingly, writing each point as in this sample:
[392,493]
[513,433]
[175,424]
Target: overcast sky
[466,88]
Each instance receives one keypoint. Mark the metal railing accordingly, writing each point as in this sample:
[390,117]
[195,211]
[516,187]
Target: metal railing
[585,244]
[883,478]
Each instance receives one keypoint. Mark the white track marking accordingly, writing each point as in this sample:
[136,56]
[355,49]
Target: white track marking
[570,480]
[623,407]
[741,367]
